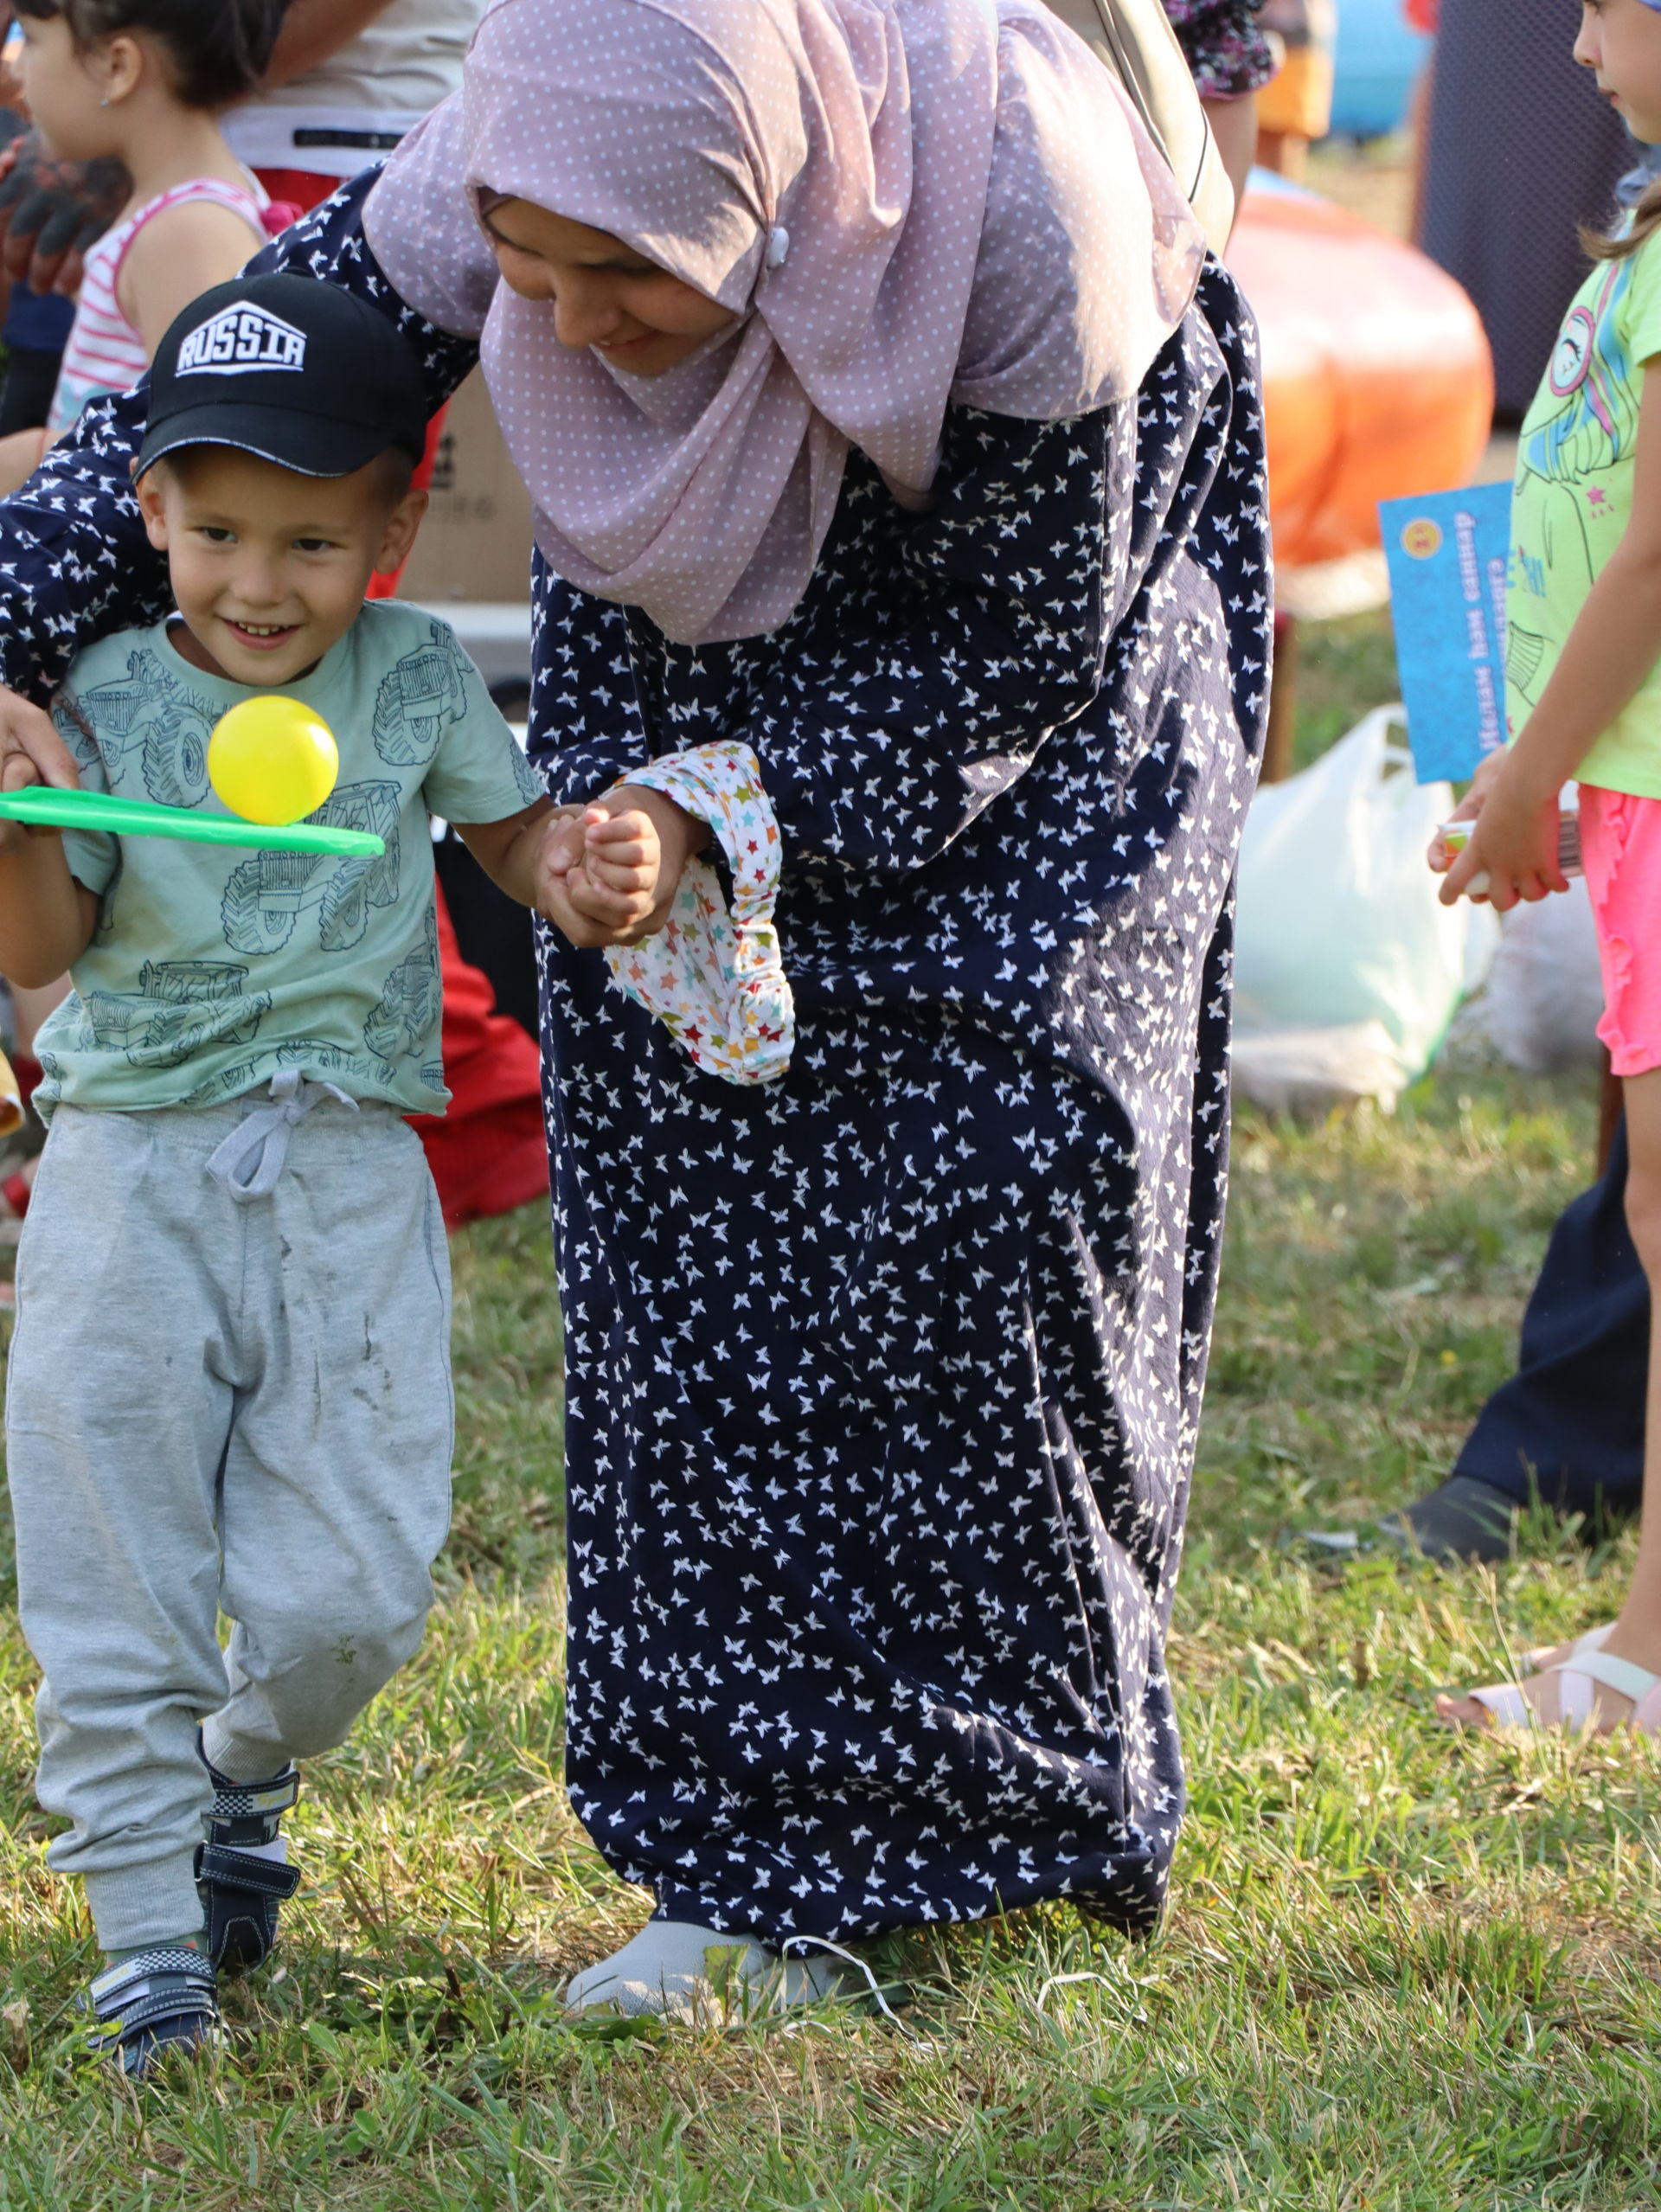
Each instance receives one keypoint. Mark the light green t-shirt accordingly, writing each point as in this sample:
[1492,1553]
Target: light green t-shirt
[212,966]
[1573,500]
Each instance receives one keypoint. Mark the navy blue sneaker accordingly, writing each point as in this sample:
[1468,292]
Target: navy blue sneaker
[241,1889]
[159,2004]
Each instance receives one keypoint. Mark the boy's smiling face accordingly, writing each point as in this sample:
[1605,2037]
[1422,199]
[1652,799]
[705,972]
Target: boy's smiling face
[269,567]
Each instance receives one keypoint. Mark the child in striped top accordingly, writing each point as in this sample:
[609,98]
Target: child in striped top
[144,80]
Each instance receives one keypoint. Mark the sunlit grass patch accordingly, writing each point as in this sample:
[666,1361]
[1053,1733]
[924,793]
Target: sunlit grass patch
[1401,1969]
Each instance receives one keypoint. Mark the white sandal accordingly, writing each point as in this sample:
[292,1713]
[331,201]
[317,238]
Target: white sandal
[1587,1666]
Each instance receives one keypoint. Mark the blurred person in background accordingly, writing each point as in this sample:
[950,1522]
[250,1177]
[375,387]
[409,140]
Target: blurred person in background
[34,325]
[1521,147]
[349,78]
[143,83]
[1295,108]
[1231,60]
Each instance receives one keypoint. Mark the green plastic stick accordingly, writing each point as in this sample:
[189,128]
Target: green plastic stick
[47,808]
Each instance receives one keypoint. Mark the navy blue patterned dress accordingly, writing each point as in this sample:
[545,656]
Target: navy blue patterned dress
[884,1379]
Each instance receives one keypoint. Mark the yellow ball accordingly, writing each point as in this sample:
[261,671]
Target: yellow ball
[271,760]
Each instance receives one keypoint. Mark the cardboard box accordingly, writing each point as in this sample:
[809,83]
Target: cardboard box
[475,542]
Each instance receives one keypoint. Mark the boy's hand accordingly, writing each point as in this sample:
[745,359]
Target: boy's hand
[610,875]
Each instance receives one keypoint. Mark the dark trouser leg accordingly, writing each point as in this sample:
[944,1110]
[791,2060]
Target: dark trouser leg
[1570,1421]
[1574,1411]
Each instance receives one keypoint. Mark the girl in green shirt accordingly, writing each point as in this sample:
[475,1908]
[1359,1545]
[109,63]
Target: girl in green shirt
[1583,681]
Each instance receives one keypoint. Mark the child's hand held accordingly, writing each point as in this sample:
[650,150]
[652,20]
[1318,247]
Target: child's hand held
[635,844]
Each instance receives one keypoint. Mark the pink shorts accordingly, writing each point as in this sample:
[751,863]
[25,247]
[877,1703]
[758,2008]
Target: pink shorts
[1620,843]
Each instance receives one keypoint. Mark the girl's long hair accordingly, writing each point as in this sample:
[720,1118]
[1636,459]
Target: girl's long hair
[1618,246]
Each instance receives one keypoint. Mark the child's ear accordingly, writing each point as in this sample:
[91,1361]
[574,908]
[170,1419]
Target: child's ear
[398,534]
[119,65]
[148,492]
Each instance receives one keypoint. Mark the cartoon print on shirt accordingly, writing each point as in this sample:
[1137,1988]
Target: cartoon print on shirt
[267,893]
[401,1017]
[1593,429]
[180,1006]
[152,710]
[420,697]
[316,1055]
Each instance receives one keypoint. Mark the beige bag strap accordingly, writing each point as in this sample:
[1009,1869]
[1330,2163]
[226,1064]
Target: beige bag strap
[1135,39]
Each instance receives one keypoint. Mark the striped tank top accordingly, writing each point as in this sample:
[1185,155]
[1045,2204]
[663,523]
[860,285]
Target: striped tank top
[105,353]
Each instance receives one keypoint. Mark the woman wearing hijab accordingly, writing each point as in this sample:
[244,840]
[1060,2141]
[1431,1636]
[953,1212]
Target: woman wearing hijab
[902,555]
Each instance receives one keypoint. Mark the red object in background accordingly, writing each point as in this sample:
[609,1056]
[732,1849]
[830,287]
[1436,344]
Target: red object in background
[1377,378]
[1423,15]
[488,1154]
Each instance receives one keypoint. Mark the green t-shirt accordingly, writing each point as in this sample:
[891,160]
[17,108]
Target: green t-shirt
[1573,500]
[212,966]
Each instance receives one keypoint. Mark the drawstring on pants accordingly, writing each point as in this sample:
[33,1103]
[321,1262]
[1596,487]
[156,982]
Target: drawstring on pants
[250,1160]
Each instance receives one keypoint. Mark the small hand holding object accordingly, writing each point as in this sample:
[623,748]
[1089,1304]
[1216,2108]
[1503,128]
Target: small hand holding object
[608,873]
[1441,854]
[1513,842]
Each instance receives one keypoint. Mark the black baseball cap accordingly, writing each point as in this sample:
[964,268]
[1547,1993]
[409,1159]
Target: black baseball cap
[289,368]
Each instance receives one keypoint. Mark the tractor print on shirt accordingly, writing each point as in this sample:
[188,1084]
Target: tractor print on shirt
[317,1056]
[268,893]
[405,1016]
[179,1006]
[150,711]
[420,697]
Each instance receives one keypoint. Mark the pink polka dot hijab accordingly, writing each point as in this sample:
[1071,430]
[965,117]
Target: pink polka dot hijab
[904,202]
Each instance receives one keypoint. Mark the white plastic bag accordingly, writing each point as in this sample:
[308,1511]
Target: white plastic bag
[1544,998]
[1347,967]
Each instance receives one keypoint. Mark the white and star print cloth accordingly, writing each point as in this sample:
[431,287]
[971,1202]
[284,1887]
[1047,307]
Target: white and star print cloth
[713,974]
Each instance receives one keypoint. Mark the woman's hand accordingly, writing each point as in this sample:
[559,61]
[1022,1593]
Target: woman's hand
[31,752]
[1515,840]
[609,875]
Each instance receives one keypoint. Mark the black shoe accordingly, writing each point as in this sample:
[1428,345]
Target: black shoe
[1461,1519]
[162,2004]
[240,1889]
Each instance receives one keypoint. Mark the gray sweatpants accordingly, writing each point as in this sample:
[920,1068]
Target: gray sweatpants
[214,1404]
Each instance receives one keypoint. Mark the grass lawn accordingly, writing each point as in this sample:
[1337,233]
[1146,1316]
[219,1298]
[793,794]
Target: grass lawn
[1400,1969]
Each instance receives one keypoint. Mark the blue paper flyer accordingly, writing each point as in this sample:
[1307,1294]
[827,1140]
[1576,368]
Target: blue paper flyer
[1448,552]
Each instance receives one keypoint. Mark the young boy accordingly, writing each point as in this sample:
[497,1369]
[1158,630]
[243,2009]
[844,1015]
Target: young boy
[229,1384]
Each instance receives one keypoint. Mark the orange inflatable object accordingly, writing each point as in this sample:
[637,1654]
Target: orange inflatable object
[1377,381]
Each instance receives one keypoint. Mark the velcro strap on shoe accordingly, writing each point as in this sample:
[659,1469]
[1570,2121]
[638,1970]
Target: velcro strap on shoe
[170,1984]
[246,1800]
[245,1870]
